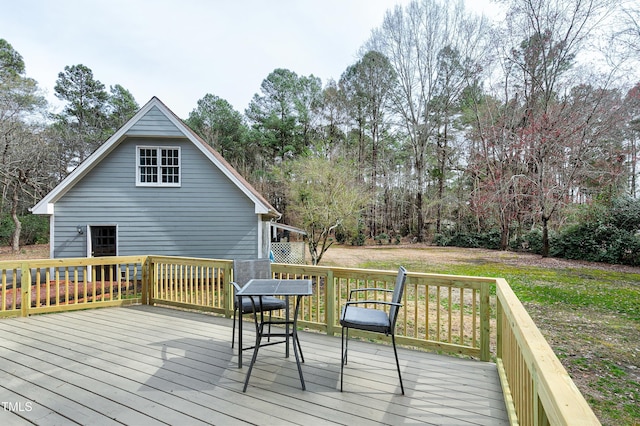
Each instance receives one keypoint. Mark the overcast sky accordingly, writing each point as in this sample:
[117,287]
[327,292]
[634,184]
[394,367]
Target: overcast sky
[181,50]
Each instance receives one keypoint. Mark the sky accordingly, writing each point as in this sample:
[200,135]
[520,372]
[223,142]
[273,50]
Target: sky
[179,51]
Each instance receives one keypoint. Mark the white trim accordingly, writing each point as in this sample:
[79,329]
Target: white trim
[158,184]
[260,208]
[87,244]
[51,235]
[288,228]
[46,205]
[260,237]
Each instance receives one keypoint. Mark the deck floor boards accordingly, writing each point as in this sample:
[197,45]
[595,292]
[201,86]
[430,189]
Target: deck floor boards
[146,365]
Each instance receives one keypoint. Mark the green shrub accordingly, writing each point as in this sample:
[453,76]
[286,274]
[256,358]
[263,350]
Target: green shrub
[382,238]
[530,242]
[440,240]
[35,229]
[489,239]
[358,240]
[6,229]
[604,233]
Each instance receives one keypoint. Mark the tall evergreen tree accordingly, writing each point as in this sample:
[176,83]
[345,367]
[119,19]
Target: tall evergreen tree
[121,106]
[283,113]
[222,127]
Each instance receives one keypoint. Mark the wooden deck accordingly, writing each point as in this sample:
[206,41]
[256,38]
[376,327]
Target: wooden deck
[150,365]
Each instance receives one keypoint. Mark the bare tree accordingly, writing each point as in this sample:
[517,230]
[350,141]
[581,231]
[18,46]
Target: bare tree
[632,102]
[324,197]
[549,123]
[414,39]
[25,173]
[20,101]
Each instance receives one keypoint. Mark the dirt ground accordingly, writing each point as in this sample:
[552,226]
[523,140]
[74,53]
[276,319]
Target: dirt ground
[38,251]
[350,256]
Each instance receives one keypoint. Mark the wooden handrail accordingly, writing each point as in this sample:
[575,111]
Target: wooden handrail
[532,376]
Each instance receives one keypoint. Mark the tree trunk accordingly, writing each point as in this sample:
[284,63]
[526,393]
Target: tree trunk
[441,173]
[545,237]
[419,213]
[504,236]
[15,238]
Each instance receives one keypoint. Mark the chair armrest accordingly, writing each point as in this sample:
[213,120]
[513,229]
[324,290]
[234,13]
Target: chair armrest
[362,302]
[236,286]
[375,302]
[355,290]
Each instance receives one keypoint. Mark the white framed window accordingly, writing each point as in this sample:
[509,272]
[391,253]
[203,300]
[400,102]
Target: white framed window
[158,166]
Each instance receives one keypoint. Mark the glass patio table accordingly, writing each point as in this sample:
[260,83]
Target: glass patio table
[255,289]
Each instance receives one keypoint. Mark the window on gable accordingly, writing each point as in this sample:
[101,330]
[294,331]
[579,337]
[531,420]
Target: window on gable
[158,166]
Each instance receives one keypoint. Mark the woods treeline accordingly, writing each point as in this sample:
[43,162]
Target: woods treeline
[519,131]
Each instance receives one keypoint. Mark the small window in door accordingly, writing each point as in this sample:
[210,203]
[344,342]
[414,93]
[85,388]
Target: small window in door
[103,241]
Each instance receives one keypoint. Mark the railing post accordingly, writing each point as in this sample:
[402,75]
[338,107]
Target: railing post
[25,288]
[499,314]
[148,280]
[226,284]
[485,322]
[330,307]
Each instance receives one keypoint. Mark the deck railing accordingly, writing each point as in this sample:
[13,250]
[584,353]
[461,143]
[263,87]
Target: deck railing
[440,312]
[190,283]
[447,313]
[40,286]
[537,388]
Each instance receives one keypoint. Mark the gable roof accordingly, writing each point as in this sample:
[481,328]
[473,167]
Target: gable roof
[262,206]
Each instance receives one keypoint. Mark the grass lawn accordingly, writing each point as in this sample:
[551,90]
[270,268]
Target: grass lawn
[590,317]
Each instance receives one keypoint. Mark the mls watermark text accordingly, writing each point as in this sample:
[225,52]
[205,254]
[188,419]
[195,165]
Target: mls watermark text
[16,406]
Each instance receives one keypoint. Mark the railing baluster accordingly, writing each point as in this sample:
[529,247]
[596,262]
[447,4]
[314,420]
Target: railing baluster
[47,278]
[474,342]
[462,304]
[3,288]
[38,290]
[57,296]
[75,284]
[449,314]
[113,280]
[427,297]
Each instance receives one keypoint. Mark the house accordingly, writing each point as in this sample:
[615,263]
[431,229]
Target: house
[155,187]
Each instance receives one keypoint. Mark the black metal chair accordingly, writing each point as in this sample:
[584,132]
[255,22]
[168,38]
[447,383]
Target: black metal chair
[243,271]
[372,319]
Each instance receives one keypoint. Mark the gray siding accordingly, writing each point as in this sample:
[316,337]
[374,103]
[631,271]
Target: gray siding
[207,216]
[154,122]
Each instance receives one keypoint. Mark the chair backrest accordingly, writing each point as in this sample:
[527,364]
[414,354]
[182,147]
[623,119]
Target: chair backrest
[397,296]
[245,270]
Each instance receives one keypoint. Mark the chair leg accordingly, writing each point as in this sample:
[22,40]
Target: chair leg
[299,347]
[342,359]
[346,347]
[393,339]
[233,334]
[345,350]
[239,338]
